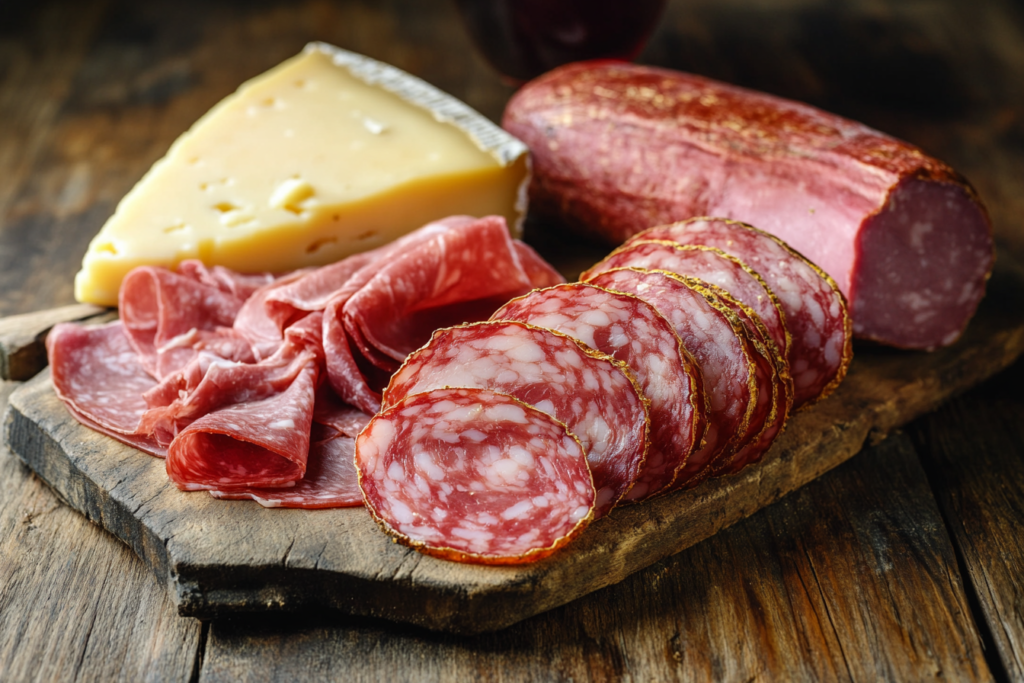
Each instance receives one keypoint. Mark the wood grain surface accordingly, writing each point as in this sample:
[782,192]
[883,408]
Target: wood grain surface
[92,92]
[75,603]
[974,454]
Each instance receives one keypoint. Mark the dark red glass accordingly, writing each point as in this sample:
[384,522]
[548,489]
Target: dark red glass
[524,38]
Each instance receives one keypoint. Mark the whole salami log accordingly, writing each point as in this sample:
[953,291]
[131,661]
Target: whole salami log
[474,476]
[618,148]
[816,313]
[718,342]
[631,330]
[596,396]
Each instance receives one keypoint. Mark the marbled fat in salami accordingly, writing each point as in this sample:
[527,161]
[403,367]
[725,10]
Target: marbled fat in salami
[474,476]
[330,481]
[815,309]
[709,265]
[632,331]
[595,395]
[716,339]
[774,386]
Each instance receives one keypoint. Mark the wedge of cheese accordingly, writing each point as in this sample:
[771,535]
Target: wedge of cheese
[327,154]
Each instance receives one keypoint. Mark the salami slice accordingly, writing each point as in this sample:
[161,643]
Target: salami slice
[255,444]
[632,331]
[709,265]
[815,309]
[166,313]
[461,275]
[474,476]
[595,395]
[97,374]
[249,433]
[718,342]
[774,387]
[330,481]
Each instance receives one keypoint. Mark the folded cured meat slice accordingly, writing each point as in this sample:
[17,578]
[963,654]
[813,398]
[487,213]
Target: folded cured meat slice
[632,331]
[166,315]
[710,265]
[258,444]
[330,481]
[459,269]
[209,382]
[461,275]
[815,309]
[474,476]
[539,272]
[596,396]
[253,428]
[97,374]
[716,339]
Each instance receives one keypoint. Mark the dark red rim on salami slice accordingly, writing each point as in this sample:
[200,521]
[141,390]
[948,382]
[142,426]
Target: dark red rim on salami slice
[631,330]
[712,266]
[774,386]
[473,475]
[816,310]
[711,332]
[596,396]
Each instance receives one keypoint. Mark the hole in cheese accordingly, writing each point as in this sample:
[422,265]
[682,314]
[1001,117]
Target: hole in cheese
[225,207]
[174,228]
[108,248]
[319,244]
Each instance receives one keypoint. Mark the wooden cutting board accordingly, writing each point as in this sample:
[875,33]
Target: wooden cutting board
[219,557]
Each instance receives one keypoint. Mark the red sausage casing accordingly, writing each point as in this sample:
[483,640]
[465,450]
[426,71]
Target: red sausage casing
[618,148]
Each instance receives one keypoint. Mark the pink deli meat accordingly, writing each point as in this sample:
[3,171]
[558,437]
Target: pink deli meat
[594,395]
[618,148]
[717,341]
[815,310]
[223,373]
[632,331]
[330,481]
[456,270]
[99,377]
[474,476]
[710,265]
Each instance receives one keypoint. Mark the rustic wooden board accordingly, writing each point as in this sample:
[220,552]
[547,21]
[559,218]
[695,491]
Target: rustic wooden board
[74,603]
[220,557]
[852,578]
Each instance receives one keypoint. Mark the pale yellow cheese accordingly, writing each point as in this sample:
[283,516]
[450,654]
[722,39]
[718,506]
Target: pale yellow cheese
[327,154]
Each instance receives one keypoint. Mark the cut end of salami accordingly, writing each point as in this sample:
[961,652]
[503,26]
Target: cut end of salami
[474,476]
[921,266]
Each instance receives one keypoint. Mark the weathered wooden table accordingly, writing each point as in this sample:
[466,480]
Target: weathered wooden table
[904,563]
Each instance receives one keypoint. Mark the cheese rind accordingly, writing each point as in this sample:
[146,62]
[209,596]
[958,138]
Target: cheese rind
[327,154]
